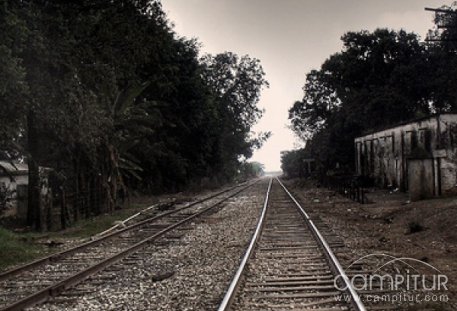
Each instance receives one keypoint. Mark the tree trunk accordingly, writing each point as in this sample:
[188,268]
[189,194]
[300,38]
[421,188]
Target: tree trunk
[63,209]
[33,208]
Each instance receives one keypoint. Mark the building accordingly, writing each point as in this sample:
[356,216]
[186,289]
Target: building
[13,174]
[419,156]
[13,183]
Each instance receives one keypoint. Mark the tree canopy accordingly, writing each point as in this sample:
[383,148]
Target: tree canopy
[378,79]
[109,97]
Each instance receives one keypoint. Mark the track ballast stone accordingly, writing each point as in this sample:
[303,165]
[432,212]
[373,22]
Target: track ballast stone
[190,272]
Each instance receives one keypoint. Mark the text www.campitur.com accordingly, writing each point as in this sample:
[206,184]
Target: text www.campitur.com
[397,298]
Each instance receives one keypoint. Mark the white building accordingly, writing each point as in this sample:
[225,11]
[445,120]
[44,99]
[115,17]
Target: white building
[419,156]
[13,174]
[12,177]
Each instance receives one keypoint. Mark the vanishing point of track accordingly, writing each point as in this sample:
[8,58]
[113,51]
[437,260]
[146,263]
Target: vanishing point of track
[288,264]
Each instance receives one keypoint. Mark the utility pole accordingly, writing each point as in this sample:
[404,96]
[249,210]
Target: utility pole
[447,15]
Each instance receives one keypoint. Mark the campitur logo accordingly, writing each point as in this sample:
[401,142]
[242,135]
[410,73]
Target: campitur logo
[395,280]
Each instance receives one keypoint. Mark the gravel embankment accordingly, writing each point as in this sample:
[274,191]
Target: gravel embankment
[189,273]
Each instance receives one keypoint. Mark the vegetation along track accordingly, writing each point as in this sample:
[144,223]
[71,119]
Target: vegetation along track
[288,264]
[47,277]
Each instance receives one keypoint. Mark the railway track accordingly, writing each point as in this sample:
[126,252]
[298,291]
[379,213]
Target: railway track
[42,279]
[288,264]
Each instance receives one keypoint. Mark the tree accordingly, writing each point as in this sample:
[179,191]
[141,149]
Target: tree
[109,97]
[250,170]
[13,89]
[442,48]
[293,164]
[236,84]
[320,101]
[378,79]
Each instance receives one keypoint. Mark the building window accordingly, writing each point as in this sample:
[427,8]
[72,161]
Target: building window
[413,140]
[427,140]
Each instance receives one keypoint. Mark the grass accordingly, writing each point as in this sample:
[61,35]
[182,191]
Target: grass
[16,248]
[88,227]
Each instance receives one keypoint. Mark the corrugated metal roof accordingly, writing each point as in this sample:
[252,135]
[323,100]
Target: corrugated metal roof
[7,168]
[388,127]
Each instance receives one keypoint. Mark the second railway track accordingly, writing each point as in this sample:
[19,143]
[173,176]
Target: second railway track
[288,265]
[37,282]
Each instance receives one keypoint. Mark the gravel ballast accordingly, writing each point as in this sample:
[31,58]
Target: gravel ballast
[190,270]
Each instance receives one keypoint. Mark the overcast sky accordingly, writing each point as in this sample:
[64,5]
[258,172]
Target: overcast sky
[290,37]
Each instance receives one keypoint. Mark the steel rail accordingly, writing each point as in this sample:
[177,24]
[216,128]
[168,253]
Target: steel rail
[355,298]
[231,291]
[53,290]
[59,255]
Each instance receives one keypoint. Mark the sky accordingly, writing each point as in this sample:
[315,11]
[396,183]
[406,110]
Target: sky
[290,37]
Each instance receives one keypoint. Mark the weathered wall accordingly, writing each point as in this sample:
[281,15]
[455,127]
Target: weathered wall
[421,179]
[18,180]
[384,155]
[11,208]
